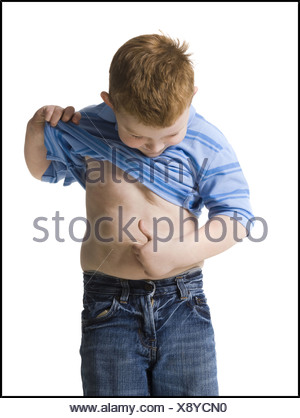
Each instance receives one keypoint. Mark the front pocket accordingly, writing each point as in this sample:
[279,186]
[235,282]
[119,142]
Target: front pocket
[102,313]
[198,303]
[98,309]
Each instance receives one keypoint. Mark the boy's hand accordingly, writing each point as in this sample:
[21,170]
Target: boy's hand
[177,254]
[35,151]
[160,262]
[53,114]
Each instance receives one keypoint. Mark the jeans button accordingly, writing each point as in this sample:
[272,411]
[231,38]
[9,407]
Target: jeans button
[148,286]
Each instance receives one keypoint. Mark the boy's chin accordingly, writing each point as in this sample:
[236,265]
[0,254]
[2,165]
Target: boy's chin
[151,154]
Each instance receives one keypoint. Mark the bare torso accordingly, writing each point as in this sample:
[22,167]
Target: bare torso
[114,206]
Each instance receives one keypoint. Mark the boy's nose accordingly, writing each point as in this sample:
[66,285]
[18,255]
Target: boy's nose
[154,147]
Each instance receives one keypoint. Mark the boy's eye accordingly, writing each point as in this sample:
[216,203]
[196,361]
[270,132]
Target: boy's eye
[140,137]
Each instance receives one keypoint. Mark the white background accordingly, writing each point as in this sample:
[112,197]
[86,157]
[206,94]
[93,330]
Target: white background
[245,57]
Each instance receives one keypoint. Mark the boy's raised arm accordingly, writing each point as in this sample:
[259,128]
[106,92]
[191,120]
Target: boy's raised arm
[34,149]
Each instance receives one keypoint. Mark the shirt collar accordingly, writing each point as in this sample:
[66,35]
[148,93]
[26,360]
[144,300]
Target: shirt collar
[192,115]
[107,113]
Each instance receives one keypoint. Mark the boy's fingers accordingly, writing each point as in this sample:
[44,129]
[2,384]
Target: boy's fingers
[144,230]
[68,113]
[53,114]
[43,114]
[136,249]
[76,118]
[56,115]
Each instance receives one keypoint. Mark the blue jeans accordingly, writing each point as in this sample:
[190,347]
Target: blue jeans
[147,337]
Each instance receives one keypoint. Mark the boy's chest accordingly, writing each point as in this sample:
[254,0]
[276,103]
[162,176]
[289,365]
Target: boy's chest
[116,202]
[108,183]
[111,192]
[172,175]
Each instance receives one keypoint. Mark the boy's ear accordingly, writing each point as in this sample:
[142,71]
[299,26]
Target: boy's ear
[195,90]
[105,97]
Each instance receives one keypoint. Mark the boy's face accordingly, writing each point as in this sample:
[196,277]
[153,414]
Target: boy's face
[150,141]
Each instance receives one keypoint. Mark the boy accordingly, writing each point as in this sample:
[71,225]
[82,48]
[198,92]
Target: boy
[149,163]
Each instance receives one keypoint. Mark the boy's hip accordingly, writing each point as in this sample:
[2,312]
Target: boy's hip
[112,302]
[106,283]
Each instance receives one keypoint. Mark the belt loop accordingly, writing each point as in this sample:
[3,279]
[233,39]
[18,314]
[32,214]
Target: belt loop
[125,291]
[184,292]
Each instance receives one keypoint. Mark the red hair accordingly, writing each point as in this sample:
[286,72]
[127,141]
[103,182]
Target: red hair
[151,77]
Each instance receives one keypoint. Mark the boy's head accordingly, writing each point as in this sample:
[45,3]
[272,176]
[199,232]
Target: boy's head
[151,84]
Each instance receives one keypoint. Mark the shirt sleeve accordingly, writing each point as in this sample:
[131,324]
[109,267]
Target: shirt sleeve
[66,163]
[224,189]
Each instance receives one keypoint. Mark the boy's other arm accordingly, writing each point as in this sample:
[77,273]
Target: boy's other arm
[35,151]
[216,236]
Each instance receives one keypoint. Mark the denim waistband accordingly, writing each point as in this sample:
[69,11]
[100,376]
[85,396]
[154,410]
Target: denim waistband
[106,284]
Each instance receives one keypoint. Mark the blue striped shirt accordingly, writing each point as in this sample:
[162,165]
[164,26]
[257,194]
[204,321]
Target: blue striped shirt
[202,170]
